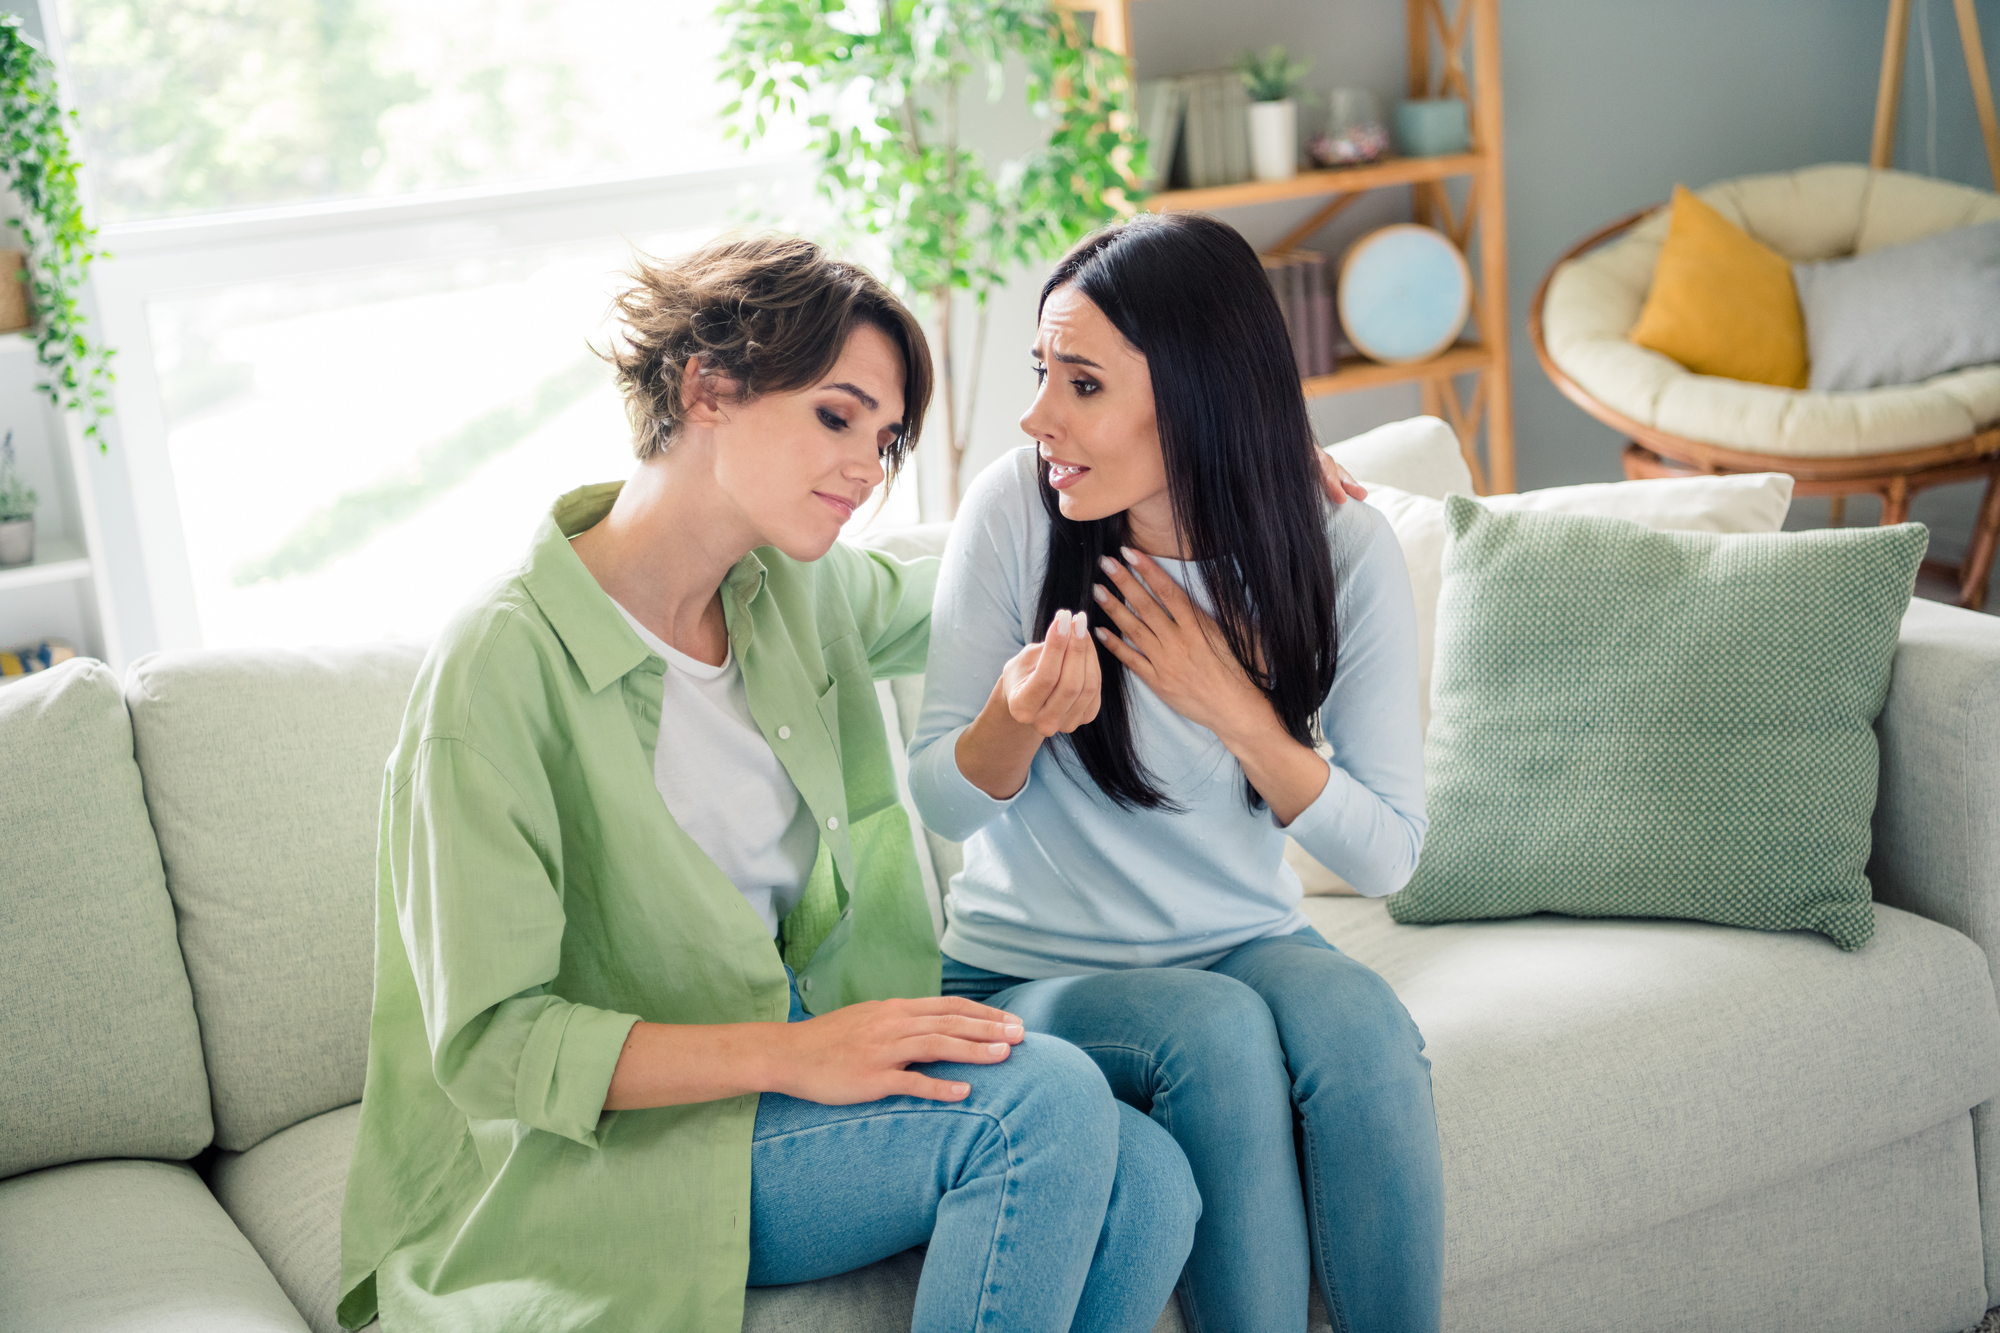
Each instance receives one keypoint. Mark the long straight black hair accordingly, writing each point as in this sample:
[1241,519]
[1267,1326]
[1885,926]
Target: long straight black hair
[1242,470]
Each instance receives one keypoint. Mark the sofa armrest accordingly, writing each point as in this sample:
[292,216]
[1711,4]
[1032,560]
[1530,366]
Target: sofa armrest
[1937,814]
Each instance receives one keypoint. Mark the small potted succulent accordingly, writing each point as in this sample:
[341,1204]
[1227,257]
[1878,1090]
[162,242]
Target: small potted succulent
[17,510]
[1272,79]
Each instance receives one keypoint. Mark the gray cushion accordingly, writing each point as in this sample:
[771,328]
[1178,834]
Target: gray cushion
[99,1052]
[285,1194]
[1595,1078]
[263,771]
[117,1247]
[1902,314]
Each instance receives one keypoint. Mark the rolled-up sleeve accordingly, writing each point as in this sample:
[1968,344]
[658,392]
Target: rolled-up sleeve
[481,917]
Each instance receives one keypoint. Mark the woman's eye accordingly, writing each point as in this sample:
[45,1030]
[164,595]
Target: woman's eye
[1041,374]
[831,420]
[1085,387]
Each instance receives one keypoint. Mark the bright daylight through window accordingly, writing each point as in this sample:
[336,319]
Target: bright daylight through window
[378,377]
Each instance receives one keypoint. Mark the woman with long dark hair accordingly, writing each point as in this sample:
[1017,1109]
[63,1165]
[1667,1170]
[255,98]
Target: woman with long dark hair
[1125,888]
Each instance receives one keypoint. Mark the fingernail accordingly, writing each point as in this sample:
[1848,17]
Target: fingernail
[1097,591]
[1131,556]
[1110,565]
[997,1047]
[1080,626]
[1099,632]
[1012,1030]
[1061,623]
[960,1089]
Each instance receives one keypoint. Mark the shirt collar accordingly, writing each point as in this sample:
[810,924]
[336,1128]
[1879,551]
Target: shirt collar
[583,615]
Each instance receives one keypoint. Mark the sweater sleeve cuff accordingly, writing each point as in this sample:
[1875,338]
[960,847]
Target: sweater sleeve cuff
[565,1070]
[950,804]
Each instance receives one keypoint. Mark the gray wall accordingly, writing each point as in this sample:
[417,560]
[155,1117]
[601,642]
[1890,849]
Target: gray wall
[1609,103]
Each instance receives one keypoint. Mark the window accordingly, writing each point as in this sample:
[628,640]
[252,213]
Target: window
[361,252]
[194,106]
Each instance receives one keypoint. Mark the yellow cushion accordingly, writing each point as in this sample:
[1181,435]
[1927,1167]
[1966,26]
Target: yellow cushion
[1721,303]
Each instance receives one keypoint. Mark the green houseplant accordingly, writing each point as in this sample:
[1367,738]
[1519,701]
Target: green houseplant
[880,86]
[17,510]
[1271,77]
[38,167]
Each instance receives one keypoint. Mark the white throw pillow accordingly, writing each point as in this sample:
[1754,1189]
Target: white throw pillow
[1751,502]
[1419,456]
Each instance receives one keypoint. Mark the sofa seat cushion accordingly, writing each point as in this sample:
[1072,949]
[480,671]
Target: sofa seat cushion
[119,1246]
[99,1052]
[285,1194]
[263,771]
[1595,1078]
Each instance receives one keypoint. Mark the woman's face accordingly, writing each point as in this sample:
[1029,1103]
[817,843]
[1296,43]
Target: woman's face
[1092,421]
[797,464]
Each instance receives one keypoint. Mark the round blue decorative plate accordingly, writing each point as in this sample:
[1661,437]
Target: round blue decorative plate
[1404,294]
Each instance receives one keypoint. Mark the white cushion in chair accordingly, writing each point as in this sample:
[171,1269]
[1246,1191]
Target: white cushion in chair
[1812,214]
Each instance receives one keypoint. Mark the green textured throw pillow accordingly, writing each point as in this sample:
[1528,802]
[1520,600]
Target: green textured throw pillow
[1657,724]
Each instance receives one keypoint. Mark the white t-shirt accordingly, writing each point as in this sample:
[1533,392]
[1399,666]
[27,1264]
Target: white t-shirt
[724,786]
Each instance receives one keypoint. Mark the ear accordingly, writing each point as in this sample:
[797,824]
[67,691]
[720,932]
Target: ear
[700,403]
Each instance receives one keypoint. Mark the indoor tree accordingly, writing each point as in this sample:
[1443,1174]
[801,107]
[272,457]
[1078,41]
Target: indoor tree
[880,85]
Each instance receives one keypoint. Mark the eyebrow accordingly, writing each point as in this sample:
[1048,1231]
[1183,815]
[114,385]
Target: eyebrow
[1067,358]
[867,399]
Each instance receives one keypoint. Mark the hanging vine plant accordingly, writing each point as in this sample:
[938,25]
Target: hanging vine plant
[36,164]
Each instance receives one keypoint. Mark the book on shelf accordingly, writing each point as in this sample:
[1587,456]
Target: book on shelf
[1162,103]
[1303,286]
[1205,119]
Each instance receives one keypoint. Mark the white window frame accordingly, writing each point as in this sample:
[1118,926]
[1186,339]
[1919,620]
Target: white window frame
[175,256]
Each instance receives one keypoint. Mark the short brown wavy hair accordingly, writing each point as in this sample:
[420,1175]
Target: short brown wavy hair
[767,313]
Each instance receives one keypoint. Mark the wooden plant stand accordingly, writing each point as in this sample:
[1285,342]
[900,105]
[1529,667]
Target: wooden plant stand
[1450,55]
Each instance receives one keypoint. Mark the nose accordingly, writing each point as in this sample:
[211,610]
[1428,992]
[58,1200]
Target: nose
[866,468]
[1038,421]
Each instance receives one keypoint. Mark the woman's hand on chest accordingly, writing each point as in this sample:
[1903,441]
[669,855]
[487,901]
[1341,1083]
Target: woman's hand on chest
[1178,650]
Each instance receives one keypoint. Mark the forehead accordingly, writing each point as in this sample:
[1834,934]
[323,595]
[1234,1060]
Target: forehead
[871,362]
[1072,322]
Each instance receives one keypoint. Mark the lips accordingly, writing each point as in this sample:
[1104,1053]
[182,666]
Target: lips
[845,508]
[1064,475]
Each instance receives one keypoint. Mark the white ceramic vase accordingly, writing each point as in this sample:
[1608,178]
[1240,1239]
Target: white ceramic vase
[17,540]
[1274,140]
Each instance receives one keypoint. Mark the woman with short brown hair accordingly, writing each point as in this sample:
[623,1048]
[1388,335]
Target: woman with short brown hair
[656,1006]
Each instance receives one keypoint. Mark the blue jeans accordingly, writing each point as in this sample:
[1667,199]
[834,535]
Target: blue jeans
[1281,1035]
[1047,1205]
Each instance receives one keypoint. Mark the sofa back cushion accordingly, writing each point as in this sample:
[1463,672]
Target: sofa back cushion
[99,1052]
[263,772]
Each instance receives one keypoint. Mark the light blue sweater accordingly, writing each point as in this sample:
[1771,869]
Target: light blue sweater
[1058,880]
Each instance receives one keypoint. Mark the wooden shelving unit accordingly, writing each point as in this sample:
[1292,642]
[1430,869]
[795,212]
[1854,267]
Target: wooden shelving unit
[1453,54]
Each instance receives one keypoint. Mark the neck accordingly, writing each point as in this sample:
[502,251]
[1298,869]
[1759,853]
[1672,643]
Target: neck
[1152,529]
[662,552]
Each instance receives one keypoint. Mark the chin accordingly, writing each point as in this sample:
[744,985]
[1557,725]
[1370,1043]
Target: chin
[1078,509]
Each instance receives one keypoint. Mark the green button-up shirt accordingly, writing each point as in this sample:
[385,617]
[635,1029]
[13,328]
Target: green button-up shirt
[536,898]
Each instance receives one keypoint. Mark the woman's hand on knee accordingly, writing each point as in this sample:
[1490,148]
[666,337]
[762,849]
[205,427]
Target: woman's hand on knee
[863,1053]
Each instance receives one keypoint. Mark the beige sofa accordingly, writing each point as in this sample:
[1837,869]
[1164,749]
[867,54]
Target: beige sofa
[1646,1125]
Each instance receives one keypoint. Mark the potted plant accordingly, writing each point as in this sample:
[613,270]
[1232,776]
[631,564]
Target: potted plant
[884,88]
[17,510]
[37,165]
[1272,78]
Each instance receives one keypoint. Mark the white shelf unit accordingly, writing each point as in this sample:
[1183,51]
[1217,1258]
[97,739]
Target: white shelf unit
[63,593]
